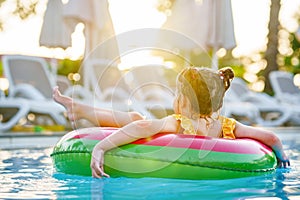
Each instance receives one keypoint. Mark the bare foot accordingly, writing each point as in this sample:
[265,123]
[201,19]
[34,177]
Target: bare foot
[68,103]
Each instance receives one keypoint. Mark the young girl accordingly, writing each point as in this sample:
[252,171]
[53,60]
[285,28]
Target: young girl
[198,99]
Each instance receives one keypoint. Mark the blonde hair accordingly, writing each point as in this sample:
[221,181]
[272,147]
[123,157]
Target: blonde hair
[205,88]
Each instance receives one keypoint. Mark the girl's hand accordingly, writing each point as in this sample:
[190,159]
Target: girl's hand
[97,162]
[283,162]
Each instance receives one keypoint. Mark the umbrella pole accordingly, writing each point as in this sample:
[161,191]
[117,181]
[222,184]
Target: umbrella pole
[214,60]
[53,66]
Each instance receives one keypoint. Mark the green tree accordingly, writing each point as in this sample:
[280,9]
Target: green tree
[291,62]
[22,8]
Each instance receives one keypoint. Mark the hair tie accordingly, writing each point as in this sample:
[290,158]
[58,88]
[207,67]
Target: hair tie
[221,75]
[225,79]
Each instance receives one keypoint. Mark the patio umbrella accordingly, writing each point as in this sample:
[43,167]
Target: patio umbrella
[220,27]
[54,33]
[60,21]
[208,24]
[99,31]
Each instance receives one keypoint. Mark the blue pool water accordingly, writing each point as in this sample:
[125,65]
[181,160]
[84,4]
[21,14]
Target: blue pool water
[28,174]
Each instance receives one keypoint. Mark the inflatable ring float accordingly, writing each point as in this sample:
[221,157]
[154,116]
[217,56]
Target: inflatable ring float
[165,155]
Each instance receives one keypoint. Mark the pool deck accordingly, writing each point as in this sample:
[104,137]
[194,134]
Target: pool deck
[14,140]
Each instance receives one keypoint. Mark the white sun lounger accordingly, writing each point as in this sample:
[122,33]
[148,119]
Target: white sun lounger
[30,80]
[286,92]
[271,112]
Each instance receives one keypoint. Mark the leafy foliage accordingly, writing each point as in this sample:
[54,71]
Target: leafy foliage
[22,9]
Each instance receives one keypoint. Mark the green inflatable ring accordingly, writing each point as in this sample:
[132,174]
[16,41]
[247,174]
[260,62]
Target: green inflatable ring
[165,155]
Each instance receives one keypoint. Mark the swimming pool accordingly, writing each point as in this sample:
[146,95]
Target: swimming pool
[28,174]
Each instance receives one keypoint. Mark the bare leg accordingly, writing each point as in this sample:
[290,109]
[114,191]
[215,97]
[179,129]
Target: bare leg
[97,116]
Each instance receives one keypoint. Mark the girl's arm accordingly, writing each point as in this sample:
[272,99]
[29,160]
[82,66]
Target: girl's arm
[267,137]
[129,133]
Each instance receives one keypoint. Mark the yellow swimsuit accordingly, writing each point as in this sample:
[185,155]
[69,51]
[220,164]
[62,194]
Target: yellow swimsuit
[228,126]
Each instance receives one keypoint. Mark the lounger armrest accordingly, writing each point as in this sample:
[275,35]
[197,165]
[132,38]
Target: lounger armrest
[23,109]
[27,91]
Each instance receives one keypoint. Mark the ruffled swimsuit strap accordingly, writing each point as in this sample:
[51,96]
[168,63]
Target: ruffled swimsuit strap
[186,124]
[228,126]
